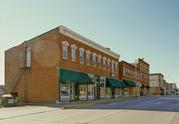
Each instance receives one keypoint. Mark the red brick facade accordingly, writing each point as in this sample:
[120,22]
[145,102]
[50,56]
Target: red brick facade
[137,72]
[39,83]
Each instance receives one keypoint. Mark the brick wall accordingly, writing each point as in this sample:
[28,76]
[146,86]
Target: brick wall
[84,67]
[41,79]
[40,82]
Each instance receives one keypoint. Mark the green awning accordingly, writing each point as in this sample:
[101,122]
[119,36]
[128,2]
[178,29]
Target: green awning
[130,83]
[74,76]
[115,83]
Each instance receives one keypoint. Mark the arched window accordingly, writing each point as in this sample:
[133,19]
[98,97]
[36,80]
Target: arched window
[81,55]
[112,65]
[88,57]
[65,49]
[109,62]
[99,61]
[94,59]
[73,52]
[104,63]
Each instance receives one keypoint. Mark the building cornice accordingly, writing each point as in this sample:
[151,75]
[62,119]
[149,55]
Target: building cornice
[69,33]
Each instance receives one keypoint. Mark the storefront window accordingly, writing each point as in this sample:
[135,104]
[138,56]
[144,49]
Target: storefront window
[108,93]
[90,91]
[117,92]
[112,66]
[82,89]
[102,91]
[65,92]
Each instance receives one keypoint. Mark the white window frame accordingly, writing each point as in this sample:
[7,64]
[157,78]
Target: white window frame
[109,63]
[104,63]
[99,60]
[112,66]
[88,52]
[94,59]
[116,67]
[81,60]
[65,45]
[124,71]
[73,52]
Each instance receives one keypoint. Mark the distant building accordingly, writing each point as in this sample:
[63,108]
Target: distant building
[157,84]
[173,89]
[1,90]
[166,88]
[138,72]
[177,91]
[127,72]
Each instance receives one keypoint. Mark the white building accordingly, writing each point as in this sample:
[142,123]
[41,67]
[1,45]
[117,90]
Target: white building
[156,83]
[173,89]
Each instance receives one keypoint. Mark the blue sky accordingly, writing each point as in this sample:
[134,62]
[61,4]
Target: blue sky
[133,28]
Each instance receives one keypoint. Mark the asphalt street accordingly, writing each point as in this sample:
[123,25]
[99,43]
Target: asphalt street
[157,103]
[150,110]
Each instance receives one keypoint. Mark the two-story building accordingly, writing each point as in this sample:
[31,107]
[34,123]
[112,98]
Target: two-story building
[157,84]
[137,72]
[61,65]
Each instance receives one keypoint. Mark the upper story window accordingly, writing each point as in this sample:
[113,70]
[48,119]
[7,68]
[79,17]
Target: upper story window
[20,56]
[116,67]
[109,62]
[94,59]
[81,55]
[124,71]
[99,61]
[129,72]
[104,62]
[73,52]
[132,73]
[88,57]
[112,66]
[65,49]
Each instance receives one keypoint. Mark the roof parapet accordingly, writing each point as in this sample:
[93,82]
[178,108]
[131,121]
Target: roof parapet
[74,35]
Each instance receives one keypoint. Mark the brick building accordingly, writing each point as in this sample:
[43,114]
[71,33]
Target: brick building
[61,64]
[138,72]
